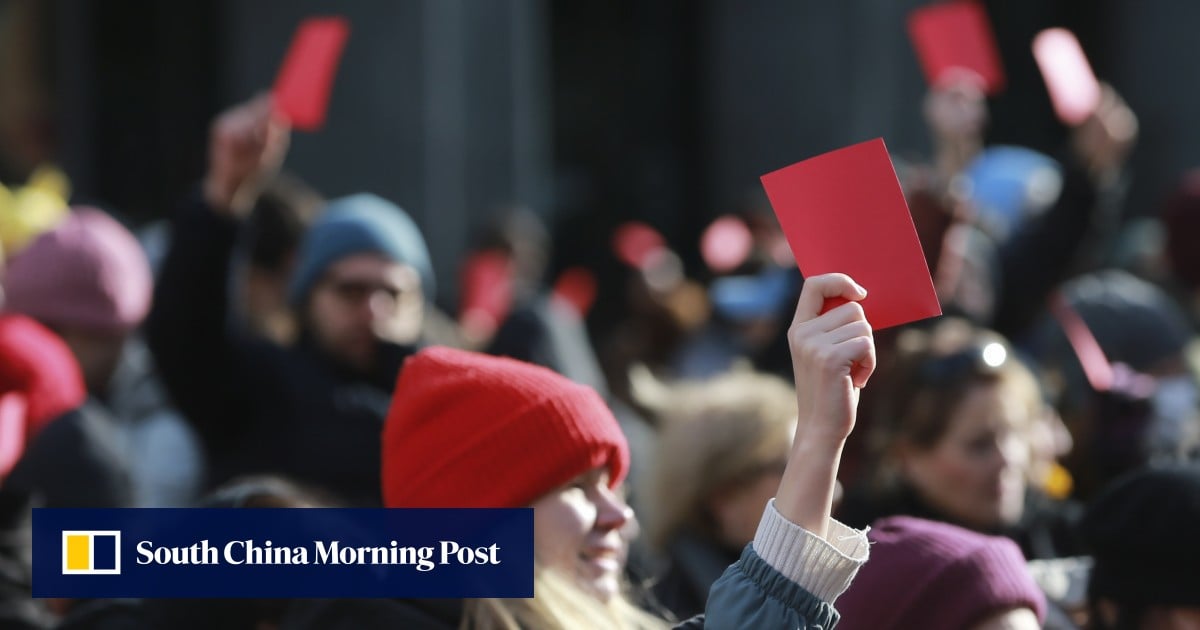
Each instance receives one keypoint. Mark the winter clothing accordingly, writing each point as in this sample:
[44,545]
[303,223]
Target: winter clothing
[482,414]
[258,407]
[1134,530]
[358,224]
[88,272]
[35,363]
[77,461]
[786,578]
[936,576]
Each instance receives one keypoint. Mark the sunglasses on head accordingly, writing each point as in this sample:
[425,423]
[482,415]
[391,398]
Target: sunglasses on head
[983,358]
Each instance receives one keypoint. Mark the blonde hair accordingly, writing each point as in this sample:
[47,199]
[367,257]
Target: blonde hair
[715,434]
[558,603]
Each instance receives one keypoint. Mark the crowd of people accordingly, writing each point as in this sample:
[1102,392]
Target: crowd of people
[701,449]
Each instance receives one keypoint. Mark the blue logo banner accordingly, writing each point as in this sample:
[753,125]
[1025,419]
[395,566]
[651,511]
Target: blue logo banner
[281,553]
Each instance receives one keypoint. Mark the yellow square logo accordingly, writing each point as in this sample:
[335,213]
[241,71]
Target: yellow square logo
[91,552]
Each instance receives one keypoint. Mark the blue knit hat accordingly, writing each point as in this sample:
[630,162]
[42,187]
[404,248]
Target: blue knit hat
[358,224]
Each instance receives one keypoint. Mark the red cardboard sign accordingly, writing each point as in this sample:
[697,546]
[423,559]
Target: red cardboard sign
[1074,90]
[954,39]
[844,212]
[305,80]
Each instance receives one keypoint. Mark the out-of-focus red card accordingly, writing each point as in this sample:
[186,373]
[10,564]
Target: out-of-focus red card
[953,37]
[1074,90]
[305,79]
[844,212]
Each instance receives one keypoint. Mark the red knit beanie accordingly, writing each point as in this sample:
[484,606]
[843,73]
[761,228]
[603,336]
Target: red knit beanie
[39,381]
[39,365]
[471,430]
[936,576]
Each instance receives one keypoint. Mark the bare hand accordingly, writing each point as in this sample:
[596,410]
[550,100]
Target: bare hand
[1103,141]
[247,145]
[833,355]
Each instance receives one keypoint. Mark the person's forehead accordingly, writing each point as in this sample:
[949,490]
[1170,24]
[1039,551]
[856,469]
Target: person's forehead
[370,266]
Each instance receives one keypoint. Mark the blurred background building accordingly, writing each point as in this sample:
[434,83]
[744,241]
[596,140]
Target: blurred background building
[590,111]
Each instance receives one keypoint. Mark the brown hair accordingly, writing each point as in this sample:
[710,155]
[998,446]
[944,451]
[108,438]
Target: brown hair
[933,372]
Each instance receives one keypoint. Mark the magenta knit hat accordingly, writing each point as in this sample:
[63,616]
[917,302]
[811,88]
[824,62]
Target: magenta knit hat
[936,576]
[471,430]
[88,272]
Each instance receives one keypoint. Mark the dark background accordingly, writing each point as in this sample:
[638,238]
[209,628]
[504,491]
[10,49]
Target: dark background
[591,111]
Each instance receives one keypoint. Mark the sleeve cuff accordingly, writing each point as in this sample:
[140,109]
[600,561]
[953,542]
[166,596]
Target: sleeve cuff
[823,567]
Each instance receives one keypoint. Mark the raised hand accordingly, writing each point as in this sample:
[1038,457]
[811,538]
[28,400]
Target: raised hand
[833,355]
[247,145]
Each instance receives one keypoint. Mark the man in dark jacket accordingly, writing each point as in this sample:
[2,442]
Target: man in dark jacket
[312,411]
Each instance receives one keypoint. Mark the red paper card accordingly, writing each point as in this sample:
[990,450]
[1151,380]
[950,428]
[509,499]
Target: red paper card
[487,288]
[955,39]
[576,287]
[305,79]
[1074,90]
[844,212]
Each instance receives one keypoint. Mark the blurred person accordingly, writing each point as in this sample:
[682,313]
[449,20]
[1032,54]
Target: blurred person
[1139,529]
[535,327]
[283,213]
[1151,410]
[61,449]
[87,279]
[313,410]
[540,440]
[721,452]
[937,576]
[955,439]
[39,382]
[1001,226]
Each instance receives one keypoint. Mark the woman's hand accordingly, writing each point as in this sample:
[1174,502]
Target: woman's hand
[833,355]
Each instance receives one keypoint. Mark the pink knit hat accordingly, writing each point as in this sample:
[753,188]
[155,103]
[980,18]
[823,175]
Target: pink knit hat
[936,576]
[88,272]
[471,430]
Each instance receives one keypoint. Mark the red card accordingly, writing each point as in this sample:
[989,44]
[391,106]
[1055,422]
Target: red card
[576,287]
[844,212]
[306,77]
[487,289]
[954,39]
[1074,90]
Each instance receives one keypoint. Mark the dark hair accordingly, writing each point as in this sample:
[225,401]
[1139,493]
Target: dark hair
[282,215]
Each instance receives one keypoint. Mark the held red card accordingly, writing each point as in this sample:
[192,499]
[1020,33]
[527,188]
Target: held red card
[305,79]
[1074,90]
[955,39]
[844,212]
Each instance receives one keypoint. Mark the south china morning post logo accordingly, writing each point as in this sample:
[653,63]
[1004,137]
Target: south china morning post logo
[91,552]
[283,553]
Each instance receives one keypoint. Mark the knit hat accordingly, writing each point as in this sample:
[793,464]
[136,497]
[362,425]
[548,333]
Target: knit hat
[471,430]
[359,224]
[936,576]
[39,368]
[88,272]
[1142,533]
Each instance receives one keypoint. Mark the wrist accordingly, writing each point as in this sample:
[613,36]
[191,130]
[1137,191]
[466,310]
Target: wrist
[217,195]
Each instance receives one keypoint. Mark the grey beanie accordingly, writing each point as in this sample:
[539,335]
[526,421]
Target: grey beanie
[361,223]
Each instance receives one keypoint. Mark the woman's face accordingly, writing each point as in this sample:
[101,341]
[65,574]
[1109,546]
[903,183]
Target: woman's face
[975,474]
[577,531]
